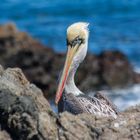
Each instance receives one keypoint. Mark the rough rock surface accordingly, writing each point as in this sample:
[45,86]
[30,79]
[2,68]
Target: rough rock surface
[42,65]
[24,112]
[4,135]
[26,115]
[89,127]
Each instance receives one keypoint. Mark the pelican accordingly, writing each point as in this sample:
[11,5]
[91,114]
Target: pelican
[68,96]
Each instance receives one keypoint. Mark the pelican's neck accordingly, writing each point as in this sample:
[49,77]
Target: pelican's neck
[70,86]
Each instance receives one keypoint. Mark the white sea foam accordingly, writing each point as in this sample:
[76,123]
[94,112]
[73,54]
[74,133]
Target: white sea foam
[137,69]
[128,97]
[124,98]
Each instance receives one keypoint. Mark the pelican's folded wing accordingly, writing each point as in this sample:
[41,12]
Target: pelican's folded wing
[101,96]
[96,106]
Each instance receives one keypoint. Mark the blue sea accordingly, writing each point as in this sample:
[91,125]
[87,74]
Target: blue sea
[114,24]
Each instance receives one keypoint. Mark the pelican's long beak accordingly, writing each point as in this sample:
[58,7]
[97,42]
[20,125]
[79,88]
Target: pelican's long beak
[70,54]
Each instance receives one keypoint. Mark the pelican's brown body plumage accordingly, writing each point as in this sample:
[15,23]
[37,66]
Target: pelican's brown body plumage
[69,97]
[99,105]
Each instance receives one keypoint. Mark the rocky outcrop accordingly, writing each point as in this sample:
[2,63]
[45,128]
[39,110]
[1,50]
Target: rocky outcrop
[42,65]
[107,70]
[89,127]
[26,115]
[24,112]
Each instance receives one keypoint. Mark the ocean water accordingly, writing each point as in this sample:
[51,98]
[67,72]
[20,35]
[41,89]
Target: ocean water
[124,98]
[114,25]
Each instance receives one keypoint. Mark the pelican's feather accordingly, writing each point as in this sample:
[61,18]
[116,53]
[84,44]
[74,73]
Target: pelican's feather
[85,104]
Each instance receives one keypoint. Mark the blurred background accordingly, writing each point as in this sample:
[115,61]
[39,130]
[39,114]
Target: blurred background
[114,26]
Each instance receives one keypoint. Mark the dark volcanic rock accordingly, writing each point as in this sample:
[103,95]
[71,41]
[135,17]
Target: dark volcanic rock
[26,115]
[116,69]
[109,69]
[42,65]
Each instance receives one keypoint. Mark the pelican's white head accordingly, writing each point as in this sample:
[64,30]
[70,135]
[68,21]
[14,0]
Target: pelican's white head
[77,42]
[77,30]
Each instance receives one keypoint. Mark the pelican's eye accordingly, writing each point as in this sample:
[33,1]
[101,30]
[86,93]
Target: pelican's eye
[76,41]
